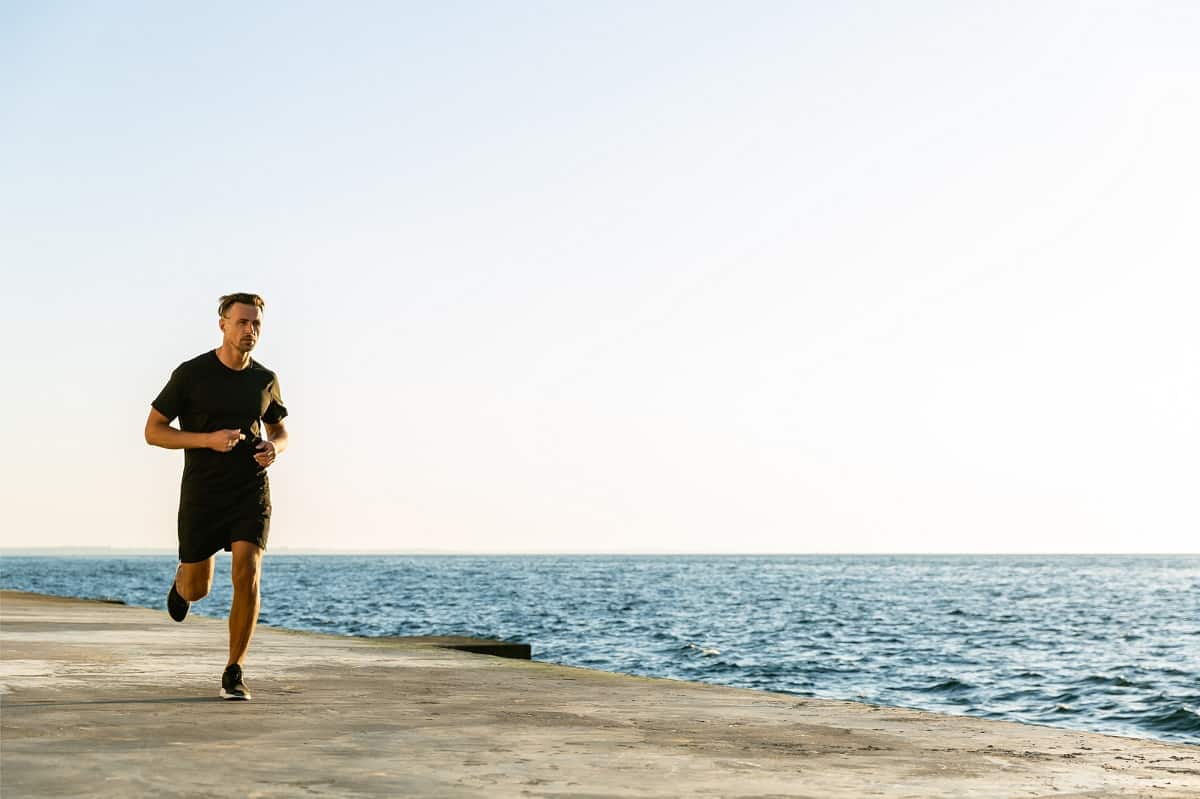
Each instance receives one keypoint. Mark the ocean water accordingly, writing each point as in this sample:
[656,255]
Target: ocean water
[1101,643]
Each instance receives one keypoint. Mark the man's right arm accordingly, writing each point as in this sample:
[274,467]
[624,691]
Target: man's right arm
[160,434]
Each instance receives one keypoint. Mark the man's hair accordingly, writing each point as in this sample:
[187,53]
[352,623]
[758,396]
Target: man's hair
[241,296]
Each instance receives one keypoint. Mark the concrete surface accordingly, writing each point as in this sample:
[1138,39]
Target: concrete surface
[99,699]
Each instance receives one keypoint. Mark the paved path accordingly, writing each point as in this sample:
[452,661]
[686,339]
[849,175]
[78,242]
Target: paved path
[98,699]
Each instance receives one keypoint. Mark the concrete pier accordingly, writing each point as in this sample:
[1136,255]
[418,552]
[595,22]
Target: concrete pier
[99,699]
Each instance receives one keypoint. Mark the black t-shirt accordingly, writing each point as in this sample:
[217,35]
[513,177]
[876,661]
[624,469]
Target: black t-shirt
[207,395]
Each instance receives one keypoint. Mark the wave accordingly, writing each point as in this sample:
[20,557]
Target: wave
[1115,680]
[1179,720]
[950,686]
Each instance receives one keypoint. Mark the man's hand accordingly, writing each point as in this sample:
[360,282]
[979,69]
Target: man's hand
[224,440]
[265,455]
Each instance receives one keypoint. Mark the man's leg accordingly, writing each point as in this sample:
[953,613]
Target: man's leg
[193,580]
[243,614]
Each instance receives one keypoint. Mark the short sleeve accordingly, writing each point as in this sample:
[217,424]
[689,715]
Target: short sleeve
[275,409]
[170,401]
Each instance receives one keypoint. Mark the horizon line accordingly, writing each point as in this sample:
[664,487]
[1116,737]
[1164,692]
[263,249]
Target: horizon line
[67,549]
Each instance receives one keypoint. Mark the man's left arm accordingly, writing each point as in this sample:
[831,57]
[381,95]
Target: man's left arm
[271,446]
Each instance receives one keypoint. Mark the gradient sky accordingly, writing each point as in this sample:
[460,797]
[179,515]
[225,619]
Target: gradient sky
[730,277]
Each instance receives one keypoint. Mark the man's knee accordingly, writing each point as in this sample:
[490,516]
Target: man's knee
[245,576]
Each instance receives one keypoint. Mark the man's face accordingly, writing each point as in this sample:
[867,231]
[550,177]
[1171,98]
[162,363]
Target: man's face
[241,325]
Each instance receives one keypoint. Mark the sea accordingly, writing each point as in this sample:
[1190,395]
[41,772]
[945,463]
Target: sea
[1100,643]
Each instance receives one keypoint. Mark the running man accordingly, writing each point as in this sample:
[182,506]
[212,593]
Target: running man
[224,498]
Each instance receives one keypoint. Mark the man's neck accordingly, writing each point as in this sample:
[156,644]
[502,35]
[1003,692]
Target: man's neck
[234,359]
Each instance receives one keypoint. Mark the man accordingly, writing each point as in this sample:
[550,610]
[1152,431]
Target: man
[225,498]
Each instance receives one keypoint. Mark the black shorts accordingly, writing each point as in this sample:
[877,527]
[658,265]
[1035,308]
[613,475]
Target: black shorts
[204,531]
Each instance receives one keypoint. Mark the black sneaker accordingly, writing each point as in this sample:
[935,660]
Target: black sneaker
[232,686]
[177,606]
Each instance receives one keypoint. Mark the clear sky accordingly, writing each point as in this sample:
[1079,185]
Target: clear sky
[723,277]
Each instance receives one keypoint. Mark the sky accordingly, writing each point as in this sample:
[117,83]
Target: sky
[615,277]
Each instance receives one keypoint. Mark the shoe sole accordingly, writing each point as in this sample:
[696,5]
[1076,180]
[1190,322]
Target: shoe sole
[236,697]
